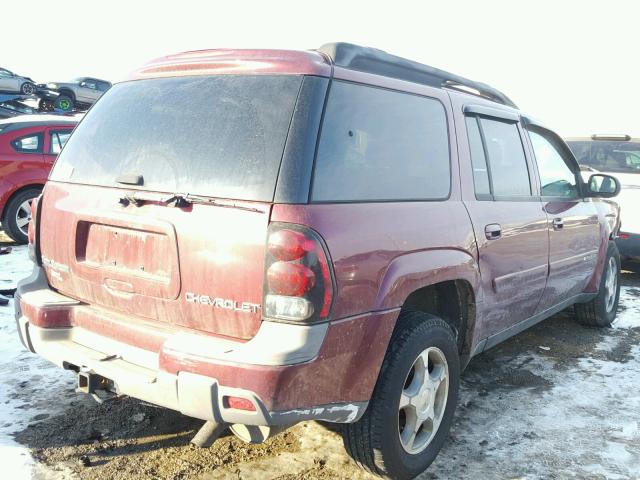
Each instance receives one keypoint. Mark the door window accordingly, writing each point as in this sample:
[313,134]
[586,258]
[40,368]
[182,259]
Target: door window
[499,164]
[58,139]
[556,177]
[508,164]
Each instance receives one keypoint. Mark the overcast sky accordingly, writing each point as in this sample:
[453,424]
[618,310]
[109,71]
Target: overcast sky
[573,64]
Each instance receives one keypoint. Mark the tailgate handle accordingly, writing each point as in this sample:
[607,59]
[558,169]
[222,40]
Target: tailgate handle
[493,231]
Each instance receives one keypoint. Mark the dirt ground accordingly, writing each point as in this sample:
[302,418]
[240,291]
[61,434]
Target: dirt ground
[558,401]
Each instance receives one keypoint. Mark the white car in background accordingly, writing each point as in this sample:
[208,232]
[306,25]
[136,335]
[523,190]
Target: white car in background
[12,83]
[617,155]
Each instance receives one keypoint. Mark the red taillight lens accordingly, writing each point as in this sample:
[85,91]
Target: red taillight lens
[289,245]
[624,236]
[286,278]
[299,285]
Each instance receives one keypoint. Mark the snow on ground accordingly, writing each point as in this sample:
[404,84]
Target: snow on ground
[629,317]
[28,383]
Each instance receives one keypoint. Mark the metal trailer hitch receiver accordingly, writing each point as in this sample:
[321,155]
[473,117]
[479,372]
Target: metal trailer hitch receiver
[91,383]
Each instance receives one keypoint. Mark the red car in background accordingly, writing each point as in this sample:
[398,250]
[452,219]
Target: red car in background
[28,147]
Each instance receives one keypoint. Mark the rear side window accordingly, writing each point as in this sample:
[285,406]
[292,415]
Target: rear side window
[219,136]
[28,144]
[378,145]
[508,172]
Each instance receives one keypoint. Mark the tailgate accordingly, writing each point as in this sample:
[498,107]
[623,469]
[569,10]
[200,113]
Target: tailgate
[199,267]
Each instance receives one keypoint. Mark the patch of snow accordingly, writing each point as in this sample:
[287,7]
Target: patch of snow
[629,316]
[20,370]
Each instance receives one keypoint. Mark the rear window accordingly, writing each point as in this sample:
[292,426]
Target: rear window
[219,136]
[608,156]
[378,145]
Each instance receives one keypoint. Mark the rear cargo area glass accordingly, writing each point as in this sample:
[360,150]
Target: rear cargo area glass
[220,136]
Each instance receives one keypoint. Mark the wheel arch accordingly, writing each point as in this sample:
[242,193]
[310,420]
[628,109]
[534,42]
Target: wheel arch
[68,92]
[17,191]
[443,282]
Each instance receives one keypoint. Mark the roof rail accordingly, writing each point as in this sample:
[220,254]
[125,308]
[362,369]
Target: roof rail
[372,60]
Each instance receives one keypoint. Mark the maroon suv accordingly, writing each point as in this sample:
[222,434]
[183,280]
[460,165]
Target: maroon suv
[256,238]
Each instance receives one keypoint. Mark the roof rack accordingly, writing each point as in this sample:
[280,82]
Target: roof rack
[372,60]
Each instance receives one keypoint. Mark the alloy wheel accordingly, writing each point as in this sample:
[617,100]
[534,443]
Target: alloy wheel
[423,400]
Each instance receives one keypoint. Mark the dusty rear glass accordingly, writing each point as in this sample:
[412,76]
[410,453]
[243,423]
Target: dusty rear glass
[220,136]
[608,156]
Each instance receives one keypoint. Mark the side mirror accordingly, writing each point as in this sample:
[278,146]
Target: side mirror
[604,186]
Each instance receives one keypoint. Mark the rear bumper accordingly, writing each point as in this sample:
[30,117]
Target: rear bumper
[289,373]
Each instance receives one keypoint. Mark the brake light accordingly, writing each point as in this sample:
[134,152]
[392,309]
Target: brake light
[298,282]
[624,236]
[32,232]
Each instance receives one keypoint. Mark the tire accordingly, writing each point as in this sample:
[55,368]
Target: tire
[27,88]
[374,441]
[14,212]
[64,103]
[601,311]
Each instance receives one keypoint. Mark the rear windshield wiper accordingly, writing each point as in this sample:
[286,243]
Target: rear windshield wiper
[179,200]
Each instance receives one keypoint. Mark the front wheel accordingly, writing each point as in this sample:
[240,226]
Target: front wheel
[411,410]
[64,103]
[601,311]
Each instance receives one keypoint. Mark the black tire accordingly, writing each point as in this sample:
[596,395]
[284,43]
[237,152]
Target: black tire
[374,440]
[601,311]
[27,88]
[64,103]
[9,223]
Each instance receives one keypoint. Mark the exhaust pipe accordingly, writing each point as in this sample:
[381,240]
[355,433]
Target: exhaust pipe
[208,434]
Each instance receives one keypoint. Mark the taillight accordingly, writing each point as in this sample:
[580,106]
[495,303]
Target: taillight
[32,231]
[298,283]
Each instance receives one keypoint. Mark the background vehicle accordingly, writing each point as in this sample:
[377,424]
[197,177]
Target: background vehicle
[358,226]
[617,155]
[79,93]
[15,105]
[10,82]
[28,147]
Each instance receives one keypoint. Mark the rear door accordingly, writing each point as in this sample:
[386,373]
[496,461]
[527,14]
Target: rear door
[575,233]
[508,220]
[56,137]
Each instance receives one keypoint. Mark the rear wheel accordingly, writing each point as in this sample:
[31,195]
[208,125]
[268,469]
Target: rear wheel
[27,88]
[17,214]
[601,311]
[412,407]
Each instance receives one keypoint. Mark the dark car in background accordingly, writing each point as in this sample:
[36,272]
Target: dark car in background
[79,93]
[16,105]
[617,155]
[28,147]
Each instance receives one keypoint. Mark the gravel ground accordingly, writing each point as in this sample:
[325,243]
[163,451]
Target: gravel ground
[558,401]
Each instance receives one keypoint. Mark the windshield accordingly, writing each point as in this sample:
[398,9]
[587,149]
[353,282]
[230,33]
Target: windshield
[220,136]
[608,156]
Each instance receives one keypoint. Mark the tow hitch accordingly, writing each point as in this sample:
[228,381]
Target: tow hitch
[100,388]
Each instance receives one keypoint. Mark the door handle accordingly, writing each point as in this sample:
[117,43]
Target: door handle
[493,231]
[558,223]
